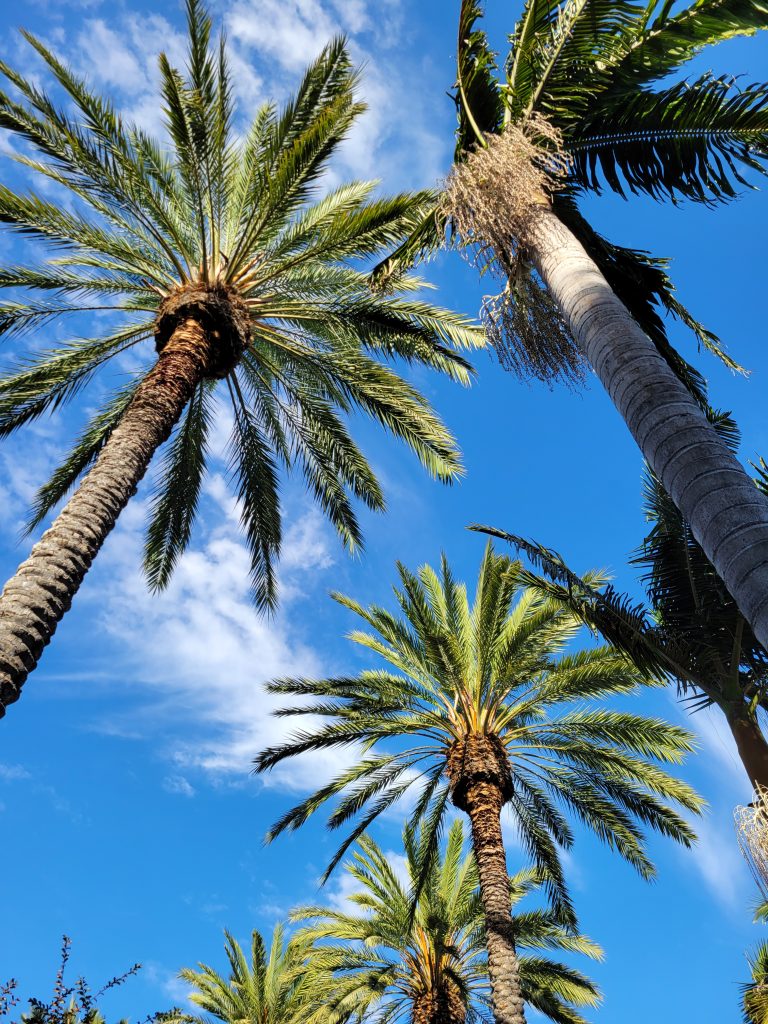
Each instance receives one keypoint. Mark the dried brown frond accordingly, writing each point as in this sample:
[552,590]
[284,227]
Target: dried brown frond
[752,832]
[492,199]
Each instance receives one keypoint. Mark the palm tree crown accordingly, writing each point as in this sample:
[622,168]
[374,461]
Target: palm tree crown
[596,72]
[272,987]
[397,962]
[238,234]
[487,692]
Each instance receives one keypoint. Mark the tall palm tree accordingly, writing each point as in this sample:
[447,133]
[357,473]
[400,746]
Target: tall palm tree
[221,251]
[272,987]
[428,964]
[690,629]
[582,103]
[479,711]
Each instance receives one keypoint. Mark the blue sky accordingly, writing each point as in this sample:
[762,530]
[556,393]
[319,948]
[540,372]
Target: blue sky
[128,816]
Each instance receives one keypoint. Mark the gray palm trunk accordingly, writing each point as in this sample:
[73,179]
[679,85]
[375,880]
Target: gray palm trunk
[726,512]
[35,599]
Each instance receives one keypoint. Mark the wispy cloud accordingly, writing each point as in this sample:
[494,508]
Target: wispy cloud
[179,785]
[721,777]
[204,652]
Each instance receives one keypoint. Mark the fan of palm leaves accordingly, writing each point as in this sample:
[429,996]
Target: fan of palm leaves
[270,985]
[391,958]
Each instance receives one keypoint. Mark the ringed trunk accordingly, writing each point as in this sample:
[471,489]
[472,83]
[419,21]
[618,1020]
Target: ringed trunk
[481,784]
[751,745]
[444,1006]
[36,598]
[727,513]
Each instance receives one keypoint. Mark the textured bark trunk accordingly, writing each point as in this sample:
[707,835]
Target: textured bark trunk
[442,1007]
[728,515]
[751,745]
[37,597]
[483,801]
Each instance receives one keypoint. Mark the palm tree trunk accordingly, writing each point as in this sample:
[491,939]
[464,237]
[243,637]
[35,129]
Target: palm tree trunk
[751,745]
[728,515]
[444,1006]
[483,801]
[34,600]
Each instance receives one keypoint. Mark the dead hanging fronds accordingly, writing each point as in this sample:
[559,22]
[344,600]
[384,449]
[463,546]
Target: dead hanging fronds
[752,832]
[492,199]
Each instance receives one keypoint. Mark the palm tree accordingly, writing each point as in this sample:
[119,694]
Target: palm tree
[754,993]
[272,988]
[472,711]
[690,629]
[250,285]
[582,105]
[428,964]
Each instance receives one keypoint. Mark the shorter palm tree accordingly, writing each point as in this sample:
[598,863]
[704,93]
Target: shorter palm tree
[272,988]
[754,993]
[427,962]
[479,711]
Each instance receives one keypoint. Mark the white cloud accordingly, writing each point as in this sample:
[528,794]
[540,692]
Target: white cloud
[291,32]
[110,61]
[718,752]
[179,785]
[396,140]
[13,772]
[170,984]
[716,855]
[717,858]
[204,652]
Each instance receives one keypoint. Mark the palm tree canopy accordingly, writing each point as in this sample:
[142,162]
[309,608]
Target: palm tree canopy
[388,953]
[270,986]
[497,668]
[145,228]
[607,77]
[754,993]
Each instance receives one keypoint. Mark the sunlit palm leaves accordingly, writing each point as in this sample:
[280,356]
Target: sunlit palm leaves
[267,986]
[140,219]
[387,955]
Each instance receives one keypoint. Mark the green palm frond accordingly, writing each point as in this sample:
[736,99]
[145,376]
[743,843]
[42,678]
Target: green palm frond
[694,140]
[252,216]
[178,490]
